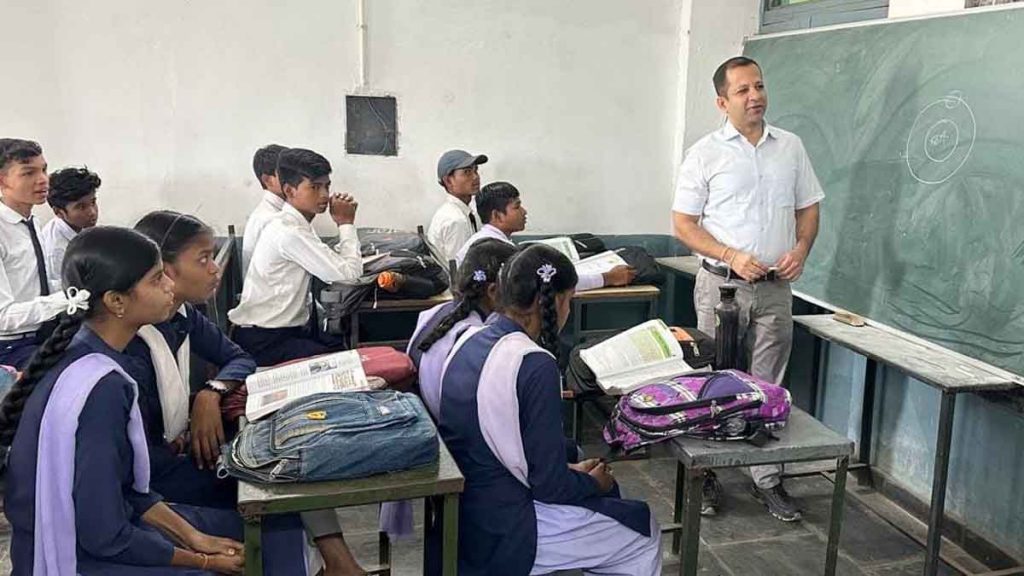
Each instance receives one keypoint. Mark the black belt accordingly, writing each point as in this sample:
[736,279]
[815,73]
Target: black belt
[727,273]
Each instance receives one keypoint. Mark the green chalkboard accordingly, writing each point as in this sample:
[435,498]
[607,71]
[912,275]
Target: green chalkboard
[916,131]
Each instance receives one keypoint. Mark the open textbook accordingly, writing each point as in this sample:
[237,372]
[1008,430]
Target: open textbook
[641,355]
[563,244]
[271,389]
[599,263]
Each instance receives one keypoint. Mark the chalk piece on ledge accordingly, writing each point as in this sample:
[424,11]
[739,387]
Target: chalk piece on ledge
[847,317]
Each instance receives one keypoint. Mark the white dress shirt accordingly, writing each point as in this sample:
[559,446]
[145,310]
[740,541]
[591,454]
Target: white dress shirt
[270,204]
[55,238]
[747,196]
[275,293]
[22,309]
[451,227]
[585,282]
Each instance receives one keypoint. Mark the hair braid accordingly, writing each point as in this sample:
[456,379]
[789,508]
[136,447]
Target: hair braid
[469,302]
[44,358]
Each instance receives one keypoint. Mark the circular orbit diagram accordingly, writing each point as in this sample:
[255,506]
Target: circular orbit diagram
[941,139]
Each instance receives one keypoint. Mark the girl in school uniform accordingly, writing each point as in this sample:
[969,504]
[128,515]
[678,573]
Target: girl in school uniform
[184,449]
[437,329]
[273,315]
[78,480]
[524,509]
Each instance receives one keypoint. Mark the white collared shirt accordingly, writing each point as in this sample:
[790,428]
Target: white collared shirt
[55,238]
[22,309]
[450,227]
[747,196]
[275,293]
[270,204]
[585,282]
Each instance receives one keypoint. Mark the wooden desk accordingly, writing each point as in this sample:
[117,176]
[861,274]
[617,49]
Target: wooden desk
[803,439]
[646,294]
[441,481]
[947,371]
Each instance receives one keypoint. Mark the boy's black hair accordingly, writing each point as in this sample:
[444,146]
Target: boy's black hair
[69,185]
[17,150]
[264,162]
[494,196]
[294,164]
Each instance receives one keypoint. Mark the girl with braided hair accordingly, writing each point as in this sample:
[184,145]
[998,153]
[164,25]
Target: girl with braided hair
[501,420]
[437,329]
[78,495]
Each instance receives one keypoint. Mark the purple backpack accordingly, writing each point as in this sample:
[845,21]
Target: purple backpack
[725,405]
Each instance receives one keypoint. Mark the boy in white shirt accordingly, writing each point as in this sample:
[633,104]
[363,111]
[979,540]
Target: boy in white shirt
[73,200]
[272,316]
[264,164]
[454,222]
[25,299]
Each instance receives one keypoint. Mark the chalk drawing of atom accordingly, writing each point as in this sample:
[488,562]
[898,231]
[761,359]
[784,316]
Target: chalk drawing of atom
[941,139]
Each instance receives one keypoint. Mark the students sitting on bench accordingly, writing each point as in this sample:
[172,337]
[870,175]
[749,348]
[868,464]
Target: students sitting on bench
[26,301]
[158,360]
[274,311]
[503,214]
[79,498]
[264,164]
[73,200]
[501,419]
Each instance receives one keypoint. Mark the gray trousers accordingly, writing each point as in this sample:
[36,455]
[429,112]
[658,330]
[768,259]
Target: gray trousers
[765,333]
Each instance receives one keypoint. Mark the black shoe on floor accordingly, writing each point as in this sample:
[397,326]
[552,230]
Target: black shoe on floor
[710,494]
[778,502]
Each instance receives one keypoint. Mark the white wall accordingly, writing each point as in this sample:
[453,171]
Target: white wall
[900,8]
[574,102]
[714,32]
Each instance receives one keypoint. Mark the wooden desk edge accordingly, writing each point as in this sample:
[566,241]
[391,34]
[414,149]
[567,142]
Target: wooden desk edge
[998,385]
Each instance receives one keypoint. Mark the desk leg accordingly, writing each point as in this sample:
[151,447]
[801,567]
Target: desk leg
[942,448]
[353,330]
[677,514]
[867,419]
[450,543]
[652,309]
[384,552]
[688,558]
[835,522]
[577,419]
[577,322]
[254,546]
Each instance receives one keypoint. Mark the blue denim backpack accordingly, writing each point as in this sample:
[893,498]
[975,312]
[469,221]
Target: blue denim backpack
[334,436]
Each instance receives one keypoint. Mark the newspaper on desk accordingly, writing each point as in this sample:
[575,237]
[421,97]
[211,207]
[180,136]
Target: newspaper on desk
[271,389]
[642,355]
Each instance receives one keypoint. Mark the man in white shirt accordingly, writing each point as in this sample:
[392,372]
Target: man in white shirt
[454,222]
[503,214]
[73,200]
[264,164]
[25,299]
[747,204]
[272,315]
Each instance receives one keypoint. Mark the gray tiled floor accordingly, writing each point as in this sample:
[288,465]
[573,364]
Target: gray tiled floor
[741,540]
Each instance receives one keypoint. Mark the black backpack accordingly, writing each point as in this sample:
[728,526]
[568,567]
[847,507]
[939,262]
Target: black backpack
[424,278]
[698,352]
[648,271]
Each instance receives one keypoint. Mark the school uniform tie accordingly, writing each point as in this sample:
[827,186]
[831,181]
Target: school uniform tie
[472,221]
[44,286]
